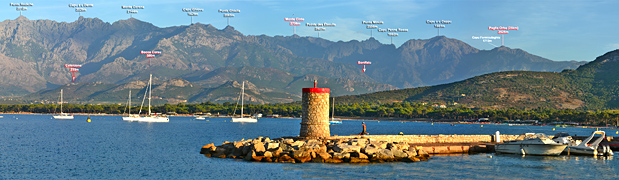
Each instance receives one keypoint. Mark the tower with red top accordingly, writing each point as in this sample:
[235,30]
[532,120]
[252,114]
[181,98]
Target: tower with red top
[315,121]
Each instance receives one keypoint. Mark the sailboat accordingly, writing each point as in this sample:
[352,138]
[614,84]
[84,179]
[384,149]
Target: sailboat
[243,119]
[333,121]
[150,117]
[62,115]
[131,117]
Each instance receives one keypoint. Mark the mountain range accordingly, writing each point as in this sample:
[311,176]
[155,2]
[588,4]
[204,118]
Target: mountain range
[593,86]
[209,60]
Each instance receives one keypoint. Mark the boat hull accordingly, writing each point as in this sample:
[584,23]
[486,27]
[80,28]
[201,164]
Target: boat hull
[130,118]
[335,122]
[530,149]
[575,150]
[153,119]
[63,117]
[247,120]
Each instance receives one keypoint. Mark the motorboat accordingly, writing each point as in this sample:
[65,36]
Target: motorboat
[531,144]
[200,118]
[586,148]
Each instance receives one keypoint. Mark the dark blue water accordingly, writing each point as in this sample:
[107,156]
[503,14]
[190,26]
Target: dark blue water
[36,146]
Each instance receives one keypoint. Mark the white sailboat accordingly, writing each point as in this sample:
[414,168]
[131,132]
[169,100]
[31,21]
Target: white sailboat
[150,117]
[62,115]
[131,117]
[243,119]
[333,121]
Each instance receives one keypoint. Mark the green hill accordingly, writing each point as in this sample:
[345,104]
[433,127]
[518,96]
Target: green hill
[591,86]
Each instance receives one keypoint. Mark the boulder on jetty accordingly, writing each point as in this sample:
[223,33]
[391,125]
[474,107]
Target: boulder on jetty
[298,150]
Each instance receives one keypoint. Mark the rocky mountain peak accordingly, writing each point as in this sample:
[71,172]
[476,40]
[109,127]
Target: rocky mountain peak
[133,24]
[22,18]
[231,30]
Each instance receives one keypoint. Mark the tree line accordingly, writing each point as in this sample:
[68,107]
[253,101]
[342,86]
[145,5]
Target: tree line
[406,110]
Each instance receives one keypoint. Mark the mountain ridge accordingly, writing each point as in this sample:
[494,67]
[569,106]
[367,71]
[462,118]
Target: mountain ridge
[592,86]
[110,53]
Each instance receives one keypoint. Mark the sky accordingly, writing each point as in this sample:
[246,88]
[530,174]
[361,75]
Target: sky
[559,30]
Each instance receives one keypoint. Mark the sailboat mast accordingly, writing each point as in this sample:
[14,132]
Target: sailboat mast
[242,96]
[60,101]
[129,105]
[150,89]
[333,112]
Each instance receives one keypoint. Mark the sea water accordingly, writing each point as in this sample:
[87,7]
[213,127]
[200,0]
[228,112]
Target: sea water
[38,146]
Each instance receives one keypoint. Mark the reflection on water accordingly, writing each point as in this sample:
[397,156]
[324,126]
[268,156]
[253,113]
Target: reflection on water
[484,166]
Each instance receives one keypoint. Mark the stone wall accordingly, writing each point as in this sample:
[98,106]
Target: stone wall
[432,138]
[315,121]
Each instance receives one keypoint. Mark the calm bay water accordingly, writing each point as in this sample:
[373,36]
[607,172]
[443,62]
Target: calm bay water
[37,146]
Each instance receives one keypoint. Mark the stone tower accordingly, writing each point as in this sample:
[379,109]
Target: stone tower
[315,121]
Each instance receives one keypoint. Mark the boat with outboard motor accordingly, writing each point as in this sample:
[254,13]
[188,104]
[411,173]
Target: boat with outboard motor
[531,144]
[577,147]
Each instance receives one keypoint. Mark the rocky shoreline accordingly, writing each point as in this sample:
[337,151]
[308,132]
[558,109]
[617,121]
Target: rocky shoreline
[326,150]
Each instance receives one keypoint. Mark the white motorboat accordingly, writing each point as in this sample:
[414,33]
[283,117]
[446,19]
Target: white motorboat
[531,144]
[592,149]
[200,118]
[150,117]
[244,119]
[62,115]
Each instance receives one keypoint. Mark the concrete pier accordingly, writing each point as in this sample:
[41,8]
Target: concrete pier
[439,144]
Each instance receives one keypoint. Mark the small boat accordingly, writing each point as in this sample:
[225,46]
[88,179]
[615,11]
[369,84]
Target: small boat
[200,118]
[335,122]
[62,115]
[242,118]
[591,149]
[531,144]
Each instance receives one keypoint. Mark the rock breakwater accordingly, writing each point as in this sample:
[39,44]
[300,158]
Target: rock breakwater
[300,150]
